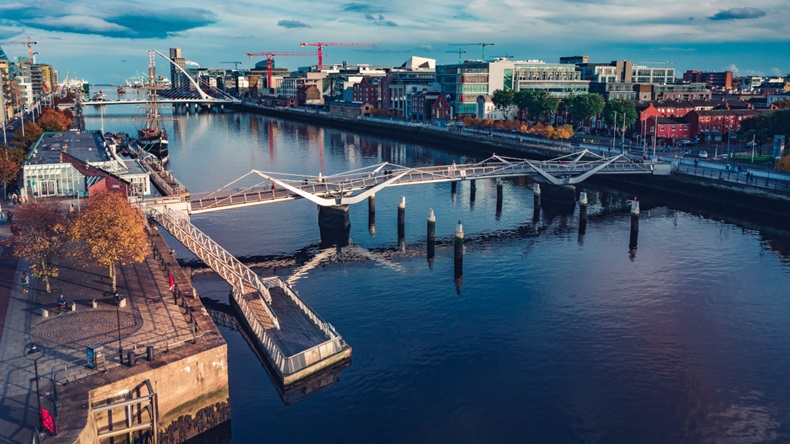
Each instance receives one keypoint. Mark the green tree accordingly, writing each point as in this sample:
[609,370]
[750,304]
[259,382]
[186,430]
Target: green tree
[39,239]
[535,103]
[110,231]
[585,106]
[763,127]
[503,101]
[617,109]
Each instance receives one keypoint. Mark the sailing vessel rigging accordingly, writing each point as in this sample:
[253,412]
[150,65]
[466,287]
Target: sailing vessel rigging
[152,137]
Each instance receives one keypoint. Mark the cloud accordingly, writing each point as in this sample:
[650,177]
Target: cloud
[776,71]
[77,24]
[738,14]
[293,24]
[360,7]
[732,68]
[380,21]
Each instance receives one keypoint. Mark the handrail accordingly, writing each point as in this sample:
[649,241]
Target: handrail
[216,257]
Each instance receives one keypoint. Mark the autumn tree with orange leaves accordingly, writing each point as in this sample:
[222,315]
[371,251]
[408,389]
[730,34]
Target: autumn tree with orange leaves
[53,120]
[40,238]
[110,232]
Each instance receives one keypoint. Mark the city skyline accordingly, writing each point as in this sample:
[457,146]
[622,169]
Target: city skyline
[107,42]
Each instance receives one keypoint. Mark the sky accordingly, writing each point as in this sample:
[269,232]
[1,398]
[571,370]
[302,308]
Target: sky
[107,41]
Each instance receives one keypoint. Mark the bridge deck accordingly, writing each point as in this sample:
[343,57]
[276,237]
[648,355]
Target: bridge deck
[298,332]
[340,187]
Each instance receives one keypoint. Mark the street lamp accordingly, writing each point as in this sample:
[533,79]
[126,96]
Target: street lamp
[117,298]
[34,352]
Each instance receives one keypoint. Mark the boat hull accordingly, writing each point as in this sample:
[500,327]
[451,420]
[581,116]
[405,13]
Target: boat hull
[157,146]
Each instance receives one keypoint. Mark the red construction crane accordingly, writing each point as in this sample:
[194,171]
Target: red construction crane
[27,42]
[269,57]
[321,45]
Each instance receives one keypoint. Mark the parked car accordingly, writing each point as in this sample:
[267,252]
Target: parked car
[703,154]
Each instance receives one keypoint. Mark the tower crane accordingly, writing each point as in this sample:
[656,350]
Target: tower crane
[459,52]
[27,42]
[321,45]
[481,45]
[269,57]
[235,64]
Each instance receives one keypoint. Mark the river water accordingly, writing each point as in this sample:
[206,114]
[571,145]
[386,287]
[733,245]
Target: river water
[549,336]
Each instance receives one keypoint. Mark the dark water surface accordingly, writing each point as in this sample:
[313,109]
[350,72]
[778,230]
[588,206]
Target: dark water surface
[550,336]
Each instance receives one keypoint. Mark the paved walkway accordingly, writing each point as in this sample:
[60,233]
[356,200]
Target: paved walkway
[150,317]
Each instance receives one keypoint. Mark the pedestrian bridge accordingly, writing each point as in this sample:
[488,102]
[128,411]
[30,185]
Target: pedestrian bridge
[357,185]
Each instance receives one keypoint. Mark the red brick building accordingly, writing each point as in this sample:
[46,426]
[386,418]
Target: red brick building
[350,109]
[715,124]
[441,109]
[368,91]
[675,128]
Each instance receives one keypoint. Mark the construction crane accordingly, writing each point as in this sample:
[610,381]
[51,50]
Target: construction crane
[481,45]
[235,64]
[321,45]
[269,57]
[665,62]
[27,42]
[459,52]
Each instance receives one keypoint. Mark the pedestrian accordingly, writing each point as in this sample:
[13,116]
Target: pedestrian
[62,302]
[272,185]
[25,282]
[14,199]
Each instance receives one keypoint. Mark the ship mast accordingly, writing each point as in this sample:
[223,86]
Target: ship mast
[152,113]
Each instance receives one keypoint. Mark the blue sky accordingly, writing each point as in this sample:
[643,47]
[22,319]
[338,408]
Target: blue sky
[106,41]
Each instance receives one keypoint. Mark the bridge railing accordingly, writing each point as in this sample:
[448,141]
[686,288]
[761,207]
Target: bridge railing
[216,257]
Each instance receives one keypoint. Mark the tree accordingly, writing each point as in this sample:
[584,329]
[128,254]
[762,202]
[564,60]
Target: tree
[39,239]
[9,167]
[782,104]
[535,103]
[503,101]
[618,109]
[111,232]
[585,106]
[763,127]
[53,121]
[32,133]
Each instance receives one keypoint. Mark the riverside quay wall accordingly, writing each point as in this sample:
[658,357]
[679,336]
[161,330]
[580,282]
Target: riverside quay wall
[179,387]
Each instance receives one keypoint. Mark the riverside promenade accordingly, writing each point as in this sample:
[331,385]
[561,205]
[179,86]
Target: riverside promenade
[176,331]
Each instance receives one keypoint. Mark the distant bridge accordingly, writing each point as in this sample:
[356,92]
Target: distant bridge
[184,95]
[355,186]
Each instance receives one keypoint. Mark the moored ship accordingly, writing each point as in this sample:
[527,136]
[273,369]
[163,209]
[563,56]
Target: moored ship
[152,137]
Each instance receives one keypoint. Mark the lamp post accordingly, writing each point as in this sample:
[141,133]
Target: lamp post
[34,352]
[117,298]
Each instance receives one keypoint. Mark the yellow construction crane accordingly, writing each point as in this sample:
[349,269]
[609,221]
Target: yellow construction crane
[27,42]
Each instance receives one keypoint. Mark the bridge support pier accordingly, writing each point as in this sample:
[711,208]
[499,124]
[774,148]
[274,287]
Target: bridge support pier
[499,197]
[431,239]
[536,207]
[472,190]
[334,225]
[453,188]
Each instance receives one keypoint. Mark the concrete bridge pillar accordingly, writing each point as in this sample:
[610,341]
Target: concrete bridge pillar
[472,190]
[453,188]
[334,225]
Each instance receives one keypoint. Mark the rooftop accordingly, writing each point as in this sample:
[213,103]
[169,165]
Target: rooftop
[86,146]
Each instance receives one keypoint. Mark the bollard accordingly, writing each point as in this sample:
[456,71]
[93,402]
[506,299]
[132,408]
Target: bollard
[130,358]
[634,224]
[73,306]
[149,350]
[459,250]
[499,196]
[402,218]
[94,304]
[431,238]
[44,313]
[536,193]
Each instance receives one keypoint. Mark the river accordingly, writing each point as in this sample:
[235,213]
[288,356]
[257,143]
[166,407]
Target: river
[551,335]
